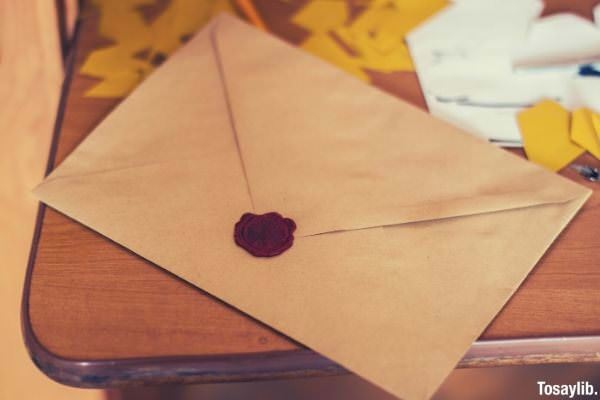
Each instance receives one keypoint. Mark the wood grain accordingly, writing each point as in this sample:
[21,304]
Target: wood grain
[90,299]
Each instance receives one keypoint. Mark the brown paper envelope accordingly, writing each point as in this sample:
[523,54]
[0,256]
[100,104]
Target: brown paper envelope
[411,234]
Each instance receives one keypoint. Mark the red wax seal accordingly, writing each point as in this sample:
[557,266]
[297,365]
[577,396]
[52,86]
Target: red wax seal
[264,235]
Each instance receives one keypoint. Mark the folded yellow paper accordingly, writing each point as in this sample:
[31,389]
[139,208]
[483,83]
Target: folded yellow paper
[126,72]
[545,132]
[585,130]
[325,47]
[139,45]
[596,124]
[182,18]
[409,230]
[322,16]
[374,40]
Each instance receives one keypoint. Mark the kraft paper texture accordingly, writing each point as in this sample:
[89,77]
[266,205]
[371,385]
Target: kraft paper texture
[411,233]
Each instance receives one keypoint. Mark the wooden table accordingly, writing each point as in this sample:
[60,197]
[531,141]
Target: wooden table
[96,315]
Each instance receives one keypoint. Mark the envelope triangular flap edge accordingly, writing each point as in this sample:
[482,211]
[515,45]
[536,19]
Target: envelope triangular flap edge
[170,117]
[177,216]
[335,154]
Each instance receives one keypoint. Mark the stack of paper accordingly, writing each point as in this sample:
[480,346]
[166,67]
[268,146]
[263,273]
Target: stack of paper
[480,62]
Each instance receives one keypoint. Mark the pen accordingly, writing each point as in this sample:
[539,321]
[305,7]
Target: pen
[588,172]
[250,11]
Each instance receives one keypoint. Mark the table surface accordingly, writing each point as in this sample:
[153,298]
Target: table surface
[97,315]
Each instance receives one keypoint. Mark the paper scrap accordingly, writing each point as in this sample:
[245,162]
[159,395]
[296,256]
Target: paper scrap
[585,132]
[545,133]
[122,22]
[373,40]
[596,123]
[121,72]
[322,16]
[181,19]
[583,92]
[140,46]
[462,58]
[482,62]
[558,39]
[324,46]
[584,9]
[412,13]
[377,42]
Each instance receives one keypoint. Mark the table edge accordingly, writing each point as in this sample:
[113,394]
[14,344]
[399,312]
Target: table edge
[250,366]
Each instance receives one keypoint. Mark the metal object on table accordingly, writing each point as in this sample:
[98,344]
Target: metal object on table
[588,172]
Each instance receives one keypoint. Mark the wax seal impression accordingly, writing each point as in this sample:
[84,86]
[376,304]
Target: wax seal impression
[265,235]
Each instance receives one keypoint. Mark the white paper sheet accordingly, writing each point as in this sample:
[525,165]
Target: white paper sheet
[559,39]
[465,59]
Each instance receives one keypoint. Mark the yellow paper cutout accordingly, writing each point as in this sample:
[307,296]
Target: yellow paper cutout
[390,32]
[110,58]
[374,40]
[139,46]
[115,85]
[596,124]
[414,12]
[322,16]
[122,22]
[126,72]
[181,19]
[583,131]
[325,46]
[545,133]
[370,56]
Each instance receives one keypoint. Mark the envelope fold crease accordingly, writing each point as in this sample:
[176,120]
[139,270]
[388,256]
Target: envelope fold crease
[411,234]
[387,163]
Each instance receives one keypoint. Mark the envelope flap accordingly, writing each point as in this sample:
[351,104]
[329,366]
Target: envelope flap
[166,151]
[334,293]
[335,154]
[168,118]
